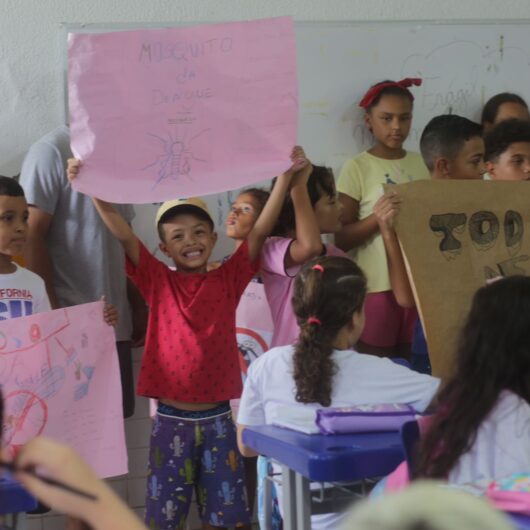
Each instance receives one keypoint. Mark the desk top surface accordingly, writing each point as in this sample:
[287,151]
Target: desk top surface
[333,458]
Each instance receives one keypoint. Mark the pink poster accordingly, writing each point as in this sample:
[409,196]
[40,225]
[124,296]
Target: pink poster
[254,325]
[166,113]
[60,377]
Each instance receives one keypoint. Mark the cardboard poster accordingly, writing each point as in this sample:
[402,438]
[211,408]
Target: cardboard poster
[165,113]
[60,377]
[455,235]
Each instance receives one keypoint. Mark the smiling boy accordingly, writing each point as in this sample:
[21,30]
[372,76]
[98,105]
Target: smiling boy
[190,361]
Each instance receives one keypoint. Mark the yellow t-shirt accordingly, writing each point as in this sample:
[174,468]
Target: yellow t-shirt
[361,179]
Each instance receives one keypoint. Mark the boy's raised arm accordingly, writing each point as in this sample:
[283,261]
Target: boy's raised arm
[112,219]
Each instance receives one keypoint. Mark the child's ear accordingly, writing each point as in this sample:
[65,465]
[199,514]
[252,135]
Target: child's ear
[442,167]
[368,121]
[163,247]
[490,168]
[214,237]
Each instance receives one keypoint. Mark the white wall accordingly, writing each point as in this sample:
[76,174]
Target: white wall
[31,42]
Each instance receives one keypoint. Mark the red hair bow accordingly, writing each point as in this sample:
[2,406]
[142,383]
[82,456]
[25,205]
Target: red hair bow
[376,90]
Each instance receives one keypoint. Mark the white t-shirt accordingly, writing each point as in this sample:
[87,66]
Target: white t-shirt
[22,293]
[502,446]
[360,379]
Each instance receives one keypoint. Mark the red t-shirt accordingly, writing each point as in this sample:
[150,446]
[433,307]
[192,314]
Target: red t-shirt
[191,352]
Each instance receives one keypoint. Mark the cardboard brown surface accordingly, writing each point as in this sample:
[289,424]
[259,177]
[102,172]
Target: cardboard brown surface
[454,236]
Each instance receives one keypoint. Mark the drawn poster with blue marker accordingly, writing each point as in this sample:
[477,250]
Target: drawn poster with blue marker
[60,377]
[165,113]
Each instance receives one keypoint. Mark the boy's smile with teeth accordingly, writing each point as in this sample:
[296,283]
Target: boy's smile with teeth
[188,241]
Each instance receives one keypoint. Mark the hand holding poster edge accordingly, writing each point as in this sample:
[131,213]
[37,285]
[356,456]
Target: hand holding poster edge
[456,235]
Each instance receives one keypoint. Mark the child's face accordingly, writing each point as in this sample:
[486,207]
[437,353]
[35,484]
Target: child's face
[469,162]
[390,120]
[243,214]
[513,164]
[188,241]
[13,225]
[328,211]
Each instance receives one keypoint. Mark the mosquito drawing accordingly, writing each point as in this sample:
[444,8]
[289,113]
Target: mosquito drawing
[176,157]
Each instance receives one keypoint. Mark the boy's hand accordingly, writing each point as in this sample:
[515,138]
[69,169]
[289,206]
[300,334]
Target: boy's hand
[385,210]
[110,313]
[74,165]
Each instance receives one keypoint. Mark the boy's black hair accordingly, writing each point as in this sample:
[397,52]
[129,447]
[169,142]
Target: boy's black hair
[183,209]
[389,91]
[503,135]
[491,108]
[444,136]
[320,183]
[10,187]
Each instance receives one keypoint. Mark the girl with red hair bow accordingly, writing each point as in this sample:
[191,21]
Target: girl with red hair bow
[388,115]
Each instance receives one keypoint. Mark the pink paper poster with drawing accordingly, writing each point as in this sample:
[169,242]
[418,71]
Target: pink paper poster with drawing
[60,377]
[166,113]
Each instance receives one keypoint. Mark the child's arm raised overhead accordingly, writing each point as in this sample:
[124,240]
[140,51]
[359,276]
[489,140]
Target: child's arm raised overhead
[269,215]
[385,211]
[112,219]
[307,243]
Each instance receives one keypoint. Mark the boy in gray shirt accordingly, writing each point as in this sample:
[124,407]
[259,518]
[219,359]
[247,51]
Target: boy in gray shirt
[70,247]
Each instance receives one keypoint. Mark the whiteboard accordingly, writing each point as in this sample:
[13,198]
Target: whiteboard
[462,65]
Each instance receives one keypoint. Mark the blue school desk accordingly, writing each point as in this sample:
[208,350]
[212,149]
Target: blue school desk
[14,500]
[322,458]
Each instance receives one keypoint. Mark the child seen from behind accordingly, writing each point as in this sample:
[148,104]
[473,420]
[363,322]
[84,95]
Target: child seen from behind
[322,368]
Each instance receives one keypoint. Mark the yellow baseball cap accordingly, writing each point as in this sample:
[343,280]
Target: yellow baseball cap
[194,202]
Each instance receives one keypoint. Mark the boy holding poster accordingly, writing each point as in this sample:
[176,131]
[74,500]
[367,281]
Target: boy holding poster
[190,361]
[452,149]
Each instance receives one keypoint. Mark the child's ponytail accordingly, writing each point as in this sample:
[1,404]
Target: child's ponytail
[327,292]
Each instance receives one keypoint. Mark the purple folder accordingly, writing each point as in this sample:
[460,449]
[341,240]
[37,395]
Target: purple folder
[364,418]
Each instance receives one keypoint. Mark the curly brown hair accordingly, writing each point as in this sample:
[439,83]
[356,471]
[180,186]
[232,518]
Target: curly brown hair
[330,293]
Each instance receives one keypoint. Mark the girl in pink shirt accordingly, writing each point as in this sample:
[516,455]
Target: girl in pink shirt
[308,212]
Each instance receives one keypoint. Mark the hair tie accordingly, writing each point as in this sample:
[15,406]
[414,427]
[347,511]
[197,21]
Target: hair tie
[318,267]
[313,320]
[373,92]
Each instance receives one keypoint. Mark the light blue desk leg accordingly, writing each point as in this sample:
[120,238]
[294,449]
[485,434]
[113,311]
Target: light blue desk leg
[289,499]
[303,503]
[267,502]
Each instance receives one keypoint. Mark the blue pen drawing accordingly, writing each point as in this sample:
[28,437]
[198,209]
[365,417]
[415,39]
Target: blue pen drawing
[176,156]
